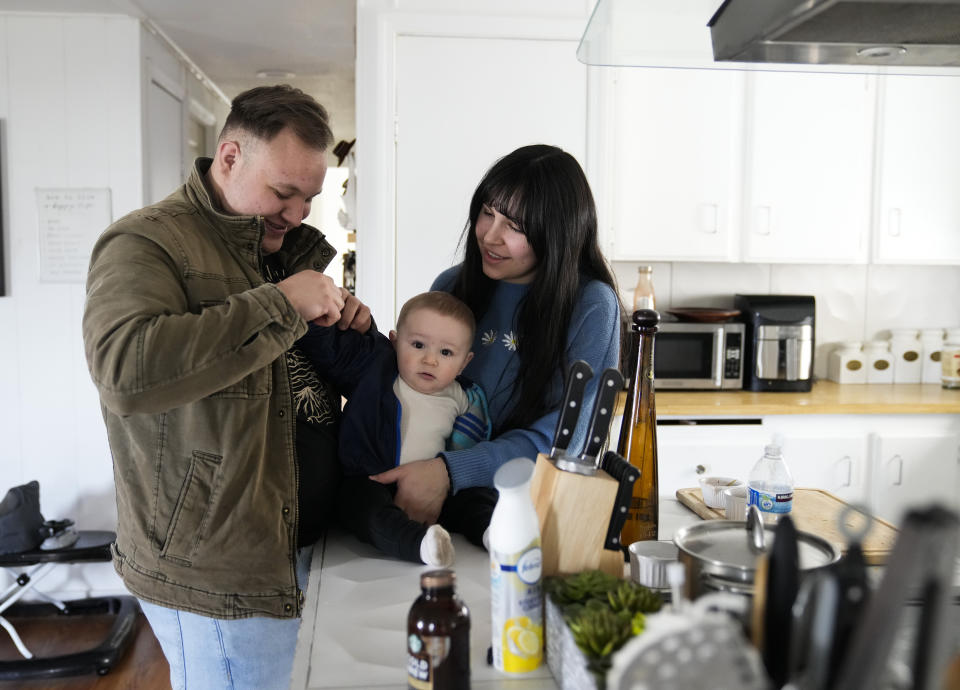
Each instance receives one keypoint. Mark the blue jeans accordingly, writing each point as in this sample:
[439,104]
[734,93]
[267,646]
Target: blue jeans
[242,654]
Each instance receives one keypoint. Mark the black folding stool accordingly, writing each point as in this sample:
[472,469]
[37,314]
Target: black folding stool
[91,546]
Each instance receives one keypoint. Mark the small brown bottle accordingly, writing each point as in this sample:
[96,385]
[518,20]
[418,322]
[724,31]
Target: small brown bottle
[438,636]
[638,433]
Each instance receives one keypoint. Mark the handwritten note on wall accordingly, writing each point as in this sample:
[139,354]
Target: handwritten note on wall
[70,222]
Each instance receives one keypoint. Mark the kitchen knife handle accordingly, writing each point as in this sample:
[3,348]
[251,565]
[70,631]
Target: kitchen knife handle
[580,372]
[626,474]
[611,382]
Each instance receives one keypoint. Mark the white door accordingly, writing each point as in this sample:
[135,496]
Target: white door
[676,150]
[918,217]
[809,167]
[462,103]
[165,142]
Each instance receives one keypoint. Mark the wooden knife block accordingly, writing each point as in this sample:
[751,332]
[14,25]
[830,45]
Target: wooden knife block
[574,512]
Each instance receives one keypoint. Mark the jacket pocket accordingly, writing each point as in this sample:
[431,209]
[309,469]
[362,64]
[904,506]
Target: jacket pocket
[193,506]
[254,385]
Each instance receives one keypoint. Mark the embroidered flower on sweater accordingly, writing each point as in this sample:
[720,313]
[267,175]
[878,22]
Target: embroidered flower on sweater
[510,341]
[489,337]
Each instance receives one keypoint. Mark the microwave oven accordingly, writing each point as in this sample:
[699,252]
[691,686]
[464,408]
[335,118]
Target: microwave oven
[699,356]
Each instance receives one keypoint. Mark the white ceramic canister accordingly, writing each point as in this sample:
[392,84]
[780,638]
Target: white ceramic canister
[876,355]
[846,363]
[950,359]
[906,355]
[931,343]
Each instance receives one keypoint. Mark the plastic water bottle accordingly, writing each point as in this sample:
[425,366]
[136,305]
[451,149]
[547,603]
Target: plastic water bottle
[516,603]
[770,485]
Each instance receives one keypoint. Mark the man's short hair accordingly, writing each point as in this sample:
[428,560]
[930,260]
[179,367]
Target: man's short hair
[442,303]
[265,111]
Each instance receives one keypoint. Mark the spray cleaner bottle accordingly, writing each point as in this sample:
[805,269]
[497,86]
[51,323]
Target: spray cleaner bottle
[515,569]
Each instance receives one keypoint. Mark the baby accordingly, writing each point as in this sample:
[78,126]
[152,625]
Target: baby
[406,401]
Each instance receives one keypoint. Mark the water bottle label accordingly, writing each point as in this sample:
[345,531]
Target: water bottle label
[771,502]
[516,609]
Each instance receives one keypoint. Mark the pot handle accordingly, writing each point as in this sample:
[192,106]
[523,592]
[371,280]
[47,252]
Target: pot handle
[755,531]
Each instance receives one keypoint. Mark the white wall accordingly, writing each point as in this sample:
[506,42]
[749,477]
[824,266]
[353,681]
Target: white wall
[70,105]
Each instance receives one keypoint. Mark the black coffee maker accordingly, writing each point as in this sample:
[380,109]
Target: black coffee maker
[778,341]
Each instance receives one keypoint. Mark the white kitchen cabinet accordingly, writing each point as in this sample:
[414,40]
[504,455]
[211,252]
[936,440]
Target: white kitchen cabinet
[918,208]
[885,462]
[687,453]
[720,165]
[913,470]
[835,463]
[677,151]
[808,167]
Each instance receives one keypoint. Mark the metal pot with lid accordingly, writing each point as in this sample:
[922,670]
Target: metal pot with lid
[721,555]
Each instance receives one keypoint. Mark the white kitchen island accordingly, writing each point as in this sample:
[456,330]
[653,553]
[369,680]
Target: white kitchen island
[354,628]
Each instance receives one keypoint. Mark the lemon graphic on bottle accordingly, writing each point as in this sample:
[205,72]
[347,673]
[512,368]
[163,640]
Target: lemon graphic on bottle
[521,643]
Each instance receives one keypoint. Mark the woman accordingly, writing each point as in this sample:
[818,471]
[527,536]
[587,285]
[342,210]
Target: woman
[544,297]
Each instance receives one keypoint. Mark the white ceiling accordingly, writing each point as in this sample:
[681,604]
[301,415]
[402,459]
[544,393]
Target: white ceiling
[231,41]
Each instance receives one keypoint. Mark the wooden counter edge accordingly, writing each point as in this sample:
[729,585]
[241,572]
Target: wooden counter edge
[826,397]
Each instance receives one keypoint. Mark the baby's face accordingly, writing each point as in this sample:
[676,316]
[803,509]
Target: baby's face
[432,349]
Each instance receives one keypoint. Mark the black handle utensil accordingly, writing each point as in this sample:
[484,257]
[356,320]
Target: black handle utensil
[611,381]
[626,474]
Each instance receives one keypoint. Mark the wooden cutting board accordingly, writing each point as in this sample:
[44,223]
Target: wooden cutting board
[817,512]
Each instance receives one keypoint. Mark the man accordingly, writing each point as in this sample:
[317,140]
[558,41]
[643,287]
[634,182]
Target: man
[223,438]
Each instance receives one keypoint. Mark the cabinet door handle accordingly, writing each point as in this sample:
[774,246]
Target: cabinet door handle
[899,480]
[701,469]
[762,220]
[848,461]
[893,222]
[709,219]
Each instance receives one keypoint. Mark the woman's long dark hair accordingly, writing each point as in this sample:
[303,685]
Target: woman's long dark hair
[544,191]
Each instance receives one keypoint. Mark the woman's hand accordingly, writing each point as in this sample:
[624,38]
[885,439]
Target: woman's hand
[422,487]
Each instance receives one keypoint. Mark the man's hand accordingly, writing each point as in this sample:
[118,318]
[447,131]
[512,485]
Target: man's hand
[422,487]
[355,314]
[315,297]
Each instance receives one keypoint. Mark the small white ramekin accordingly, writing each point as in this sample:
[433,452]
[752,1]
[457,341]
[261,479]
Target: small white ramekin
[735,502]
[711,488]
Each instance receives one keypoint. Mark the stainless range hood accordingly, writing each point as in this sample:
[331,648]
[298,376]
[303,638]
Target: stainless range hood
[849,36]
[838,32]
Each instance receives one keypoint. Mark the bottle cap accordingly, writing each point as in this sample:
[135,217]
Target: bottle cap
[645,269]
[513,474]
[433,579]
[771,449]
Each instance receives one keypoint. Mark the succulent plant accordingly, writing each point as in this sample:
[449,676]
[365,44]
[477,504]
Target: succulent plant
[578,588]
[603,612]
[629,596]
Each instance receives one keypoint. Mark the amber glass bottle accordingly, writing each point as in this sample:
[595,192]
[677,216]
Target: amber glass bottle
[438,636]
[638,433]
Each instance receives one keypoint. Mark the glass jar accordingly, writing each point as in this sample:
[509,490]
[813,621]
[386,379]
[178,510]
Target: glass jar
[950,359]
[876,354]
[905,353]
[643,296]
[846,363]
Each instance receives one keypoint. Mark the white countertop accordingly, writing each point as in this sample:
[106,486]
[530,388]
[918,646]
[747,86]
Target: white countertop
[354,627]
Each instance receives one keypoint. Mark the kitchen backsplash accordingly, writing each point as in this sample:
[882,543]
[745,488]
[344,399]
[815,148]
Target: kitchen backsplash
[854,302]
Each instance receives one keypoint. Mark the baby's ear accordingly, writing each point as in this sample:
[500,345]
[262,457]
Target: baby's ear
[466,361]
[393,339]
